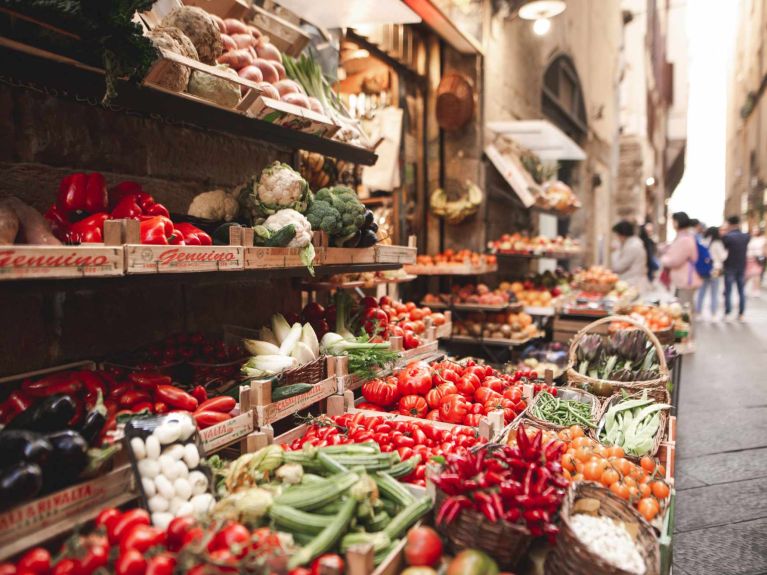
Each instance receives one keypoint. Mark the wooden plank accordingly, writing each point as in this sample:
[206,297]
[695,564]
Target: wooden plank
[267,412]
[395,254]
[271,258]
[465,269]
[227,432]
[59,262]
[151,259]
[339,256]
[32,523]
[291,116]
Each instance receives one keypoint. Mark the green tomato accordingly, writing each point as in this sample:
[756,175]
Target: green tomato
[472,562]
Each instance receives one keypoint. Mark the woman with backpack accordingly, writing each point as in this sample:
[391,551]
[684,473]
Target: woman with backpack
[680,259]
[712,241]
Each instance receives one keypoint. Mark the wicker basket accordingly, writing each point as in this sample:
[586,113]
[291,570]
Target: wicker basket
[505,542]
[566,393]
[571,557]
[660,395]
[604,387]
[311,373]
[594,288]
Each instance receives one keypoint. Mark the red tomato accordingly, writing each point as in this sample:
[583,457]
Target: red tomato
[473,419]
[162,564]
[381,392]
[330,562]
[96,556]
[300,571]
[36,560]
[107,516]
[8,569]
[141,538]
[123,524]
[494,383]
[467,385]
[130,563]
[513,394]
[66,566]
[369,406]
[484,394]
[177,529]
[453,409]
[192,536]
[415,379]
[416,314]
[433,415]
[423,547]
[413,405]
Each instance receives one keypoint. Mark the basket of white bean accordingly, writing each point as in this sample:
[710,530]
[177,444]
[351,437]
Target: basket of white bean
[167,457]
[601,534]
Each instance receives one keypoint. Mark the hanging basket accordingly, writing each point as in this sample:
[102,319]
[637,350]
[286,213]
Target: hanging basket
[570,556]
[659,395]
[605,387]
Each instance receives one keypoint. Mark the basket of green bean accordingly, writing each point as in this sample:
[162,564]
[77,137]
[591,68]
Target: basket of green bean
[571,406]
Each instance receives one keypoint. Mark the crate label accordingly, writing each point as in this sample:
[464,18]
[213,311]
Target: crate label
[158,259]
[267,414]
[395,254]
[61,505]
[60,262]
[226,432]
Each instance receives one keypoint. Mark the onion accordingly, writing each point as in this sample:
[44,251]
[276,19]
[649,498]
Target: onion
[288,87]
[269,91]
[315,106]
[255,31]
[243,40]
[252,73]
[235,26]
[296,100]
[268,51]
[219,22]
[269,72]
[228,43]
[280,69]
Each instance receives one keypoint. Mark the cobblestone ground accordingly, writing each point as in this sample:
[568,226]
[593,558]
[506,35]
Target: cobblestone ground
[721,512]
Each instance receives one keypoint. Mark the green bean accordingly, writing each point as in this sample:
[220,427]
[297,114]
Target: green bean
[563,412]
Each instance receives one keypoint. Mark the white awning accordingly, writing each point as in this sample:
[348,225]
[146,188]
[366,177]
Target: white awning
[350,13]
[541,137]
[514,173]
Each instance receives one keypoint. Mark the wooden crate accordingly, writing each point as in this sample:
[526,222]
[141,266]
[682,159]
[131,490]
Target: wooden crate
[565,328]
[59,262]
[35,522]
[226,433]
[395,254]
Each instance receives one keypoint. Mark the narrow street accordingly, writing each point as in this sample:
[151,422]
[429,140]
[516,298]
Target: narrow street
[721,513]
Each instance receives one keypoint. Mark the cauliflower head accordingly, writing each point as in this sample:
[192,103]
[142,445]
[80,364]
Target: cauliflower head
[288,217]
[278,187]
[218,205]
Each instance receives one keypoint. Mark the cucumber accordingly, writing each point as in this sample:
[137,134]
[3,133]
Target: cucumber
[286,391]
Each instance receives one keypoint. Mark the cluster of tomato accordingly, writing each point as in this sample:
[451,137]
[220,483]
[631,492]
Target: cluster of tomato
[408,438]
[125,543]
[447,391]
[386,317]
[586,459]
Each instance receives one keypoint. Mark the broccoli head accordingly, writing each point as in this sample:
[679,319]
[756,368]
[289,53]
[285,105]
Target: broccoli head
[338,212]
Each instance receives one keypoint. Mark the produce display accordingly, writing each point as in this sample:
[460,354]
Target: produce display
[459,257]
[561,411]
[479,294]
[625,356]
[447,391]
[415,442]
[655,318]
[632,424]
[610,540]
[557,196]
[521,244]
[513,326]
[596,278]
[583,458]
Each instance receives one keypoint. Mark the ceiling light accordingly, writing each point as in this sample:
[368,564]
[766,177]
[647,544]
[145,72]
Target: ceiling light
[538,9]
[650,181]
[542,26]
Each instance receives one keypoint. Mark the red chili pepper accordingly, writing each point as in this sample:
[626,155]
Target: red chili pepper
[206,419]
[92,384]
[88,230]
[145,406]
[201,395]
[527,483]
[134,396]
[486,506]
[225,404]
[59,383]
[149,380]
[119,389]
[160,407]
[176,398]
[79,411]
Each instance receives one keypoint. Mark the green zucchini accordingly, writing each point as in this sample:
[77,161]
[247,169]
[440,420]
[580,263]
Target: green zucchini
[404,468]
[378,521]
[327,538]
[297,521]
[316,495]
[330,463]
[285,391]
[391,489]
[401,522]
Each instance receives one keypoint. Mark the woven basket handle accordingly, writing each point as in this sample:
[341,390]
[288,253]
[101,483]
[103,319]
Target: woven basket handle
[624,318]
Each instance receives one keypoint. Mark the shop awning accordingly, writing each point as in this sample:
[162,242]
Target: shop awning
[438,21]
[514,173]
[541,137]
[350,13]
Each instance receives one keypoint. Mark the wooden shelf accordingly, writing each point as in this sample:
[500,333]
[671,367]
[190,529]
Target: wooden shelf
[71,79]
[451,270]
[533,256]
[491,340]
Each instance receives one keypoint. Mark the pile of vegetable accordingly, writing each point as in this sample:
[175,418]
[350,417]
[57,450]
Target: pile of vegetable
[609,540]
[521,484]
[447,391]
[415,442]
[654,317]
[339,212]
[632,424]
[514,326]
[561,411]
[327,498]
[281,347]
[625,355]
[583,458]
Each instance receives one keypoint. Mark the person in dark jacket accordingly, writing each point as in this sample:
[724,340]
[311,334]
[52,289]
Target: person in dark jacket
[645,234]
[736,243]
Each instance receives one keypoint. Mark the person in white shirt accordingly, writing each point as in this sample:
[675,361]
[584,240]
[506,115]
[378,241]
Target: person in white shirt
[713,241]
[755,262]
[629,258]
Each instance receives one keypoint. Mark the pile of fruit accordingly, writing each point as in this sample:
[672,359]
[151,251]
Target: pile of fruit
[596,276]
[479,294]
[538,245]
[459,257]
[447,391]
[512,326]
[654,317]
[530,294]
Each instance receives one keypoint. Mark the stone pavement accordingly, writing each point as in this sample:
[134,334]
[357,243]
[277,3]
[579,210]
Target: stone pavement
[721,469]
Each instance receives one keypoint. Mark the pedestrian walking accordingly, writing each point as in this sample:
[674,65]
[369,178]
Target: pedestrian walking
[629,258]
[736,243]
[755,262]
[645,234]
[711,284]
[680,258]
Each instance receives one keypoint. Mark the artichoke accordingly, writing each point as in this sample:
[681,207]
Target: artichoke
[588,351]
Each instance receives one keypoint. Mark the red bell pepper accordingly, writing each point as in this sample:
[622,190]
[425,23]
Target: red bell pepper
[175,397]
[151,208]
[58,221]
[157,230]
[82,192]
[88,230]
[193,236]
[123,189]
[127,208]
[201,395]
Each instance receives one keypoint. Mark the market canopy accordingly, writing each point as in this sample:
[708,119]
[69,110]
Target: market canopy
[541,137]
